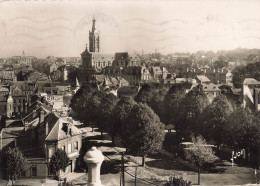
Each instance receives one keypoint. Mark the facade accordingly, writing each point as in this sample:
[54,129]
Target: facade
[94,62]
[42,131]
[16,100]
[59,132]
[7,74]
[208,88]
[250,93]
[136,74]
[223,76]
[23,60]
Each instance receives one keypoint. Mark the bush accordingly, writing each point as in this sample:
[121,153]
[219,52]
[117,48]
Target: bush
[177,181]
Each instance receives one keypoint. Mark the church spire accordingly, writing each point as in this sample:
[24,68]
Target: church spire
[93,24]
[94,38]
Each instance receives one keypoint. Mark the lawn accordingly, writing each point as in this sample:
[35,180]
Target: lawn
[159,167]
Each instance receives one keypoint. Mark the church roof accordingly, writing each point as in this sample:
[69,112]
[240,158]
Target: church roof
[102,56]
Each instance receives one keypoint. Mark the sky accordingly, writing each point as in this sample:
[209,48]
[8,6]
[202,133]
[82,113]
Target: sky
[61,28]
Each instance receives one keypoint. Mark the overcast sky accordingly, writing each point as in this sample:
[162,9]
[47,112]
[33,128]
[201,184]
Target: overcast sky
[60,28]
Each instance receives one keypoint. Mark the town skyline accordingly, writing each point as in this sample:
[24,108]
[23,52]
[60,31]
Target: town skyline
[168,27]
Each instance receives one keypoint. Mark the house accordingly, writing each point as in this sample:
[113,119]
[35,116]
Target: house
[38,135]
[59,132]
[250,93]
[157,73]
[15,97]
[202,79]
[207,88]
[7,74]
[135,74]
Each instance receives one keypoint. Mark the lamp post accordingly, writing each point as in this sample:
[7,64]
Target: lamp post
[238,154]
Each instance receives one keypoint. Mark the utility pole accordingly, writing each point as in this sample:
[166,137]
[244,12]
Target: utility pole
[123,169]
[135,174]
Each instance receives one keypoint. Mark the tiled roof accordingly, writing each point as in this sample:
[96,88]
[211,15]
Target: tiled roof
[22,85]
[249,81]
[134,70]
[102,57]
[202,78]
[12,132]
[156,70]
[207,87]
[36,105]
[57,128]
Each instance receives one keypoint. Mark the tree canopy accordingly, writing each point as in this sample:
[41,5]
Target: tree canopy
[251,70]
[170,104]
[120,111]
[220,64]
[16,162]
[143,131]
[200,154]
[59,161]
[104,111]
[214,118]
[152,95]
[87,100]
[191,106]
[243,130]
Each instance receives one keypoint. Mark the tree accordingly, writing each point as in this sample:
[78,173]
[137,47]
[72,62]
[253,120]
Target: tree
[220,64]
[170,104]
[16,162]
[191,106]
[59,161]
[120,111]
[87,100]
[143,132]
[108,102]
[243,130]
[72,74]
[200,154]
[80,101]
[152,95]
[213,119]
[251,70]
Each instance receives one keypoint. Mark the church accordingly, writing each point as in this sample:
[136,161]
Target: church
[94,61]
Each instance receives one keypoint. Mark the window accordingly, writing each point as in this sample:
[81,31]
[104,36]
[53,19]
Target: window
[23,174]
[34,171]
[63,148]
[69,148]
[76,145]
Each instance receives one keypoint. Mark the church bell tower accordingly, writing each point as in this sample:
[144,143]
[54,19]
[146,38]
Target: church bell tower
[94,37]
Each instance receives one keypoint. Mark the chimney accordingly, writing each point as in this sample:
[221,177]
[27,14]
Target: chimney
[26,125]
[41,116]
[25,107]
[34,113]
[46,128]
[42,99]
